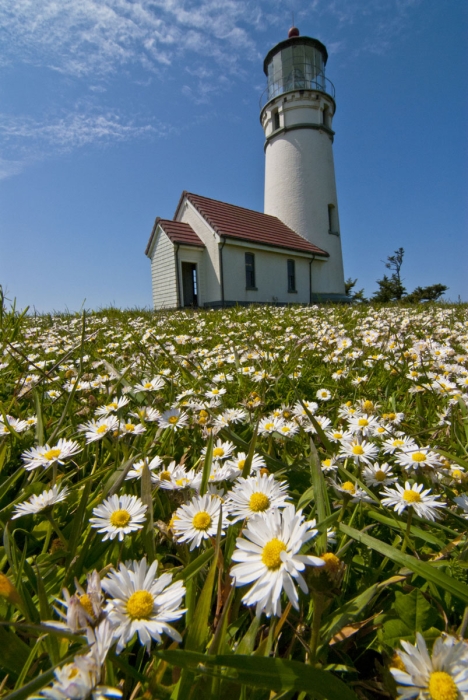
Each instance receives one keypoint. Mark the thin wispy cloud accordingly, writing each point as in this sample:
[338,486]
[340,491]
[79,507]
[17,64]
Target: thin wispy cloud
[193,47]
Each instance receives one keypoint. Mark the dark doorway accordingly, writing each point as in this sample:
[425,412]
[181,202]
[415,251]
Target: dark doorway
[189,284]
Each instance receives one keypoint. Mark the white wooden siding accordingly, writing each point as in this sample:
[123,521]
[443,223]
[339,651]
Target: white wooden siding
[163,272]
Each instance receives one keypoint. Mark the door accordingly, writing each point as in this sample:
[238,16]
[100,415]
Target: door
[189,284]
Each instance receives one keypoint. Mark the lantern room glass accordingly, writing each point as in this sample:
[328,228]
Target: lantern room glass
[298,67]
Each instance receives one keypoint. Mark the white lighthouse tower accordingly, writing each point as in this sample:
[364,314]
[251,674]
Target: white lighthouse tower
[300,187]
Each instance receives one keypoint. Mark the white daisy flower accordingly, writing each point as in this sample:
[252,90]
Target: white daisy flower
[268,557]
[401,442]
[137,470]
[150,384]
[18,425]
[112,407]
[174,419]
[142,604]
[174,477]
[37,503]
[197,520]
[97,430]
[146,414]
[378,474]
[329,465]
[349,488]
[412,496]
[420,457]
[444,676]
[119,515]
[83,608]
[269,425]
[363,424]
[131,429]
[360,452]
[222,450]
[45,455]
[256,494]
[323,395]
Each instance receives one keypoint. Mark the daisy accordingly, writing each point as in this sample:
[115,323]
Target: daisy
[198,520]
[412,496]
[329,465]
[146,414]
[351,489]
[137,470]
[174,419]
[323,395]
[337,435]
[401,442]
[268,425]
[174,477]
[112,407]
[215,392]
[131,429]
[378,474]
[119,515]
[363,424]
[268,557]
[222,450]
[83,608]
[150,384]
[97,430]
[18,425]
[444,676]
[142,604]
[359,451]
[256,494]
[237,463]
[45,456]
[37,503]
[420,457]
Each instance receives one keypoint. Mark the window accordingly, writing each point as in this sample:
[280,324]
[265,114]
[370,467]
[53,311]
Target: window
[276,120]
[332,222]
[250,271]
[291,276]
[326,117]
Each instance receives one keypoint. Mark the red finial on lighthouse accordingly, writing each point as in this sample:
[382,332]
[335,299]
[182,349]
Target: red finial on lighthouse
[294,31]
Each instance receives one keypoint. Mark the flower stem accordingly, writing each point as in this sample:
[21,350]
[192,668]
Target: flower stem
[319,607]
[58,531]
[407,533]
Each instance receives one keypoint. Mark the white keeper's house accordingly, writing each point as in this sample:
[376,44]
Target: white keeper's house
[217,254]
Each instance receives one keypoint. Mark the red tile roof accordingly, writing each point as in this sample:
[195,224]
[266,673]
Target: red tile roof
[177,231]
[231,221]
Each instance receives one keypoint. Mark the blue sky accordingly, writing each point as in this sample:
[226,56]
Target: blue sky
[110,108]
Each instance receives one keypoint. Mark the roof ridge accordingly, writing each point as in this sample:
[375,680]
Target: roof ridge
[236,206]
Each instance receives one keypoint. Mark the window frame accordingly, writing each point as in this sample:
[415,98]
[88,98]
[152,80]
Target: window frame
[250,271]
[291,272]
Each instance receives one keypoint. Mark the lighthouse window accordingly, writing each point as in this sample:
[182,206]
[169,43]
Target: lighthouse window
[326,116]
[276,120]
[332,222]
[291,276]
[250,271]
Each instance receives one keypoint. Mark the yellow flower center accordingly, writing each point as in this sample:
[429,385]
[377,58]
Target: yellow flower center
[52,454]
[368,406]
[130,427]
[112,405]
[148,385]
[140,605]
[457,474]
[218,452]
[269,426]
[357,450]
[271,555]
[120,518]
[102,429]
[348,486]
[165,476]
[380,429]
[241,464]
[85,602]
[215,391]
[338,436]
[74,672]
[362,422]
[173,419]
[326,462]
[396,662]
[202,520]
[264,471]
[398,443]
[411,496]
[442,686]
[332,562]
[379,475]
[418,456]
[259,502]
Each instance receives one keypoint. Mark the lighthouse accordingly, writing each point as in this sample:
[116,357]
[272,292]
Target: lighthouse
[297,113]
